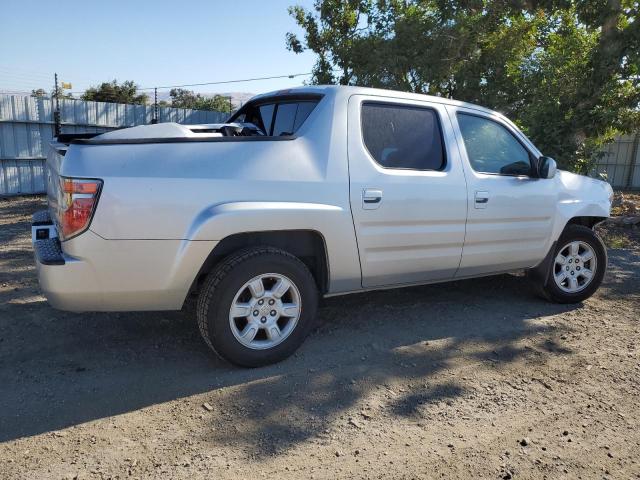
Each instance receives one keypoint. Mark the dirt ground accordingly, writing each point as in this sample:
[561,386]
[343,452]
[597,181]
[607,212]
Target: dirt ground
[472,379]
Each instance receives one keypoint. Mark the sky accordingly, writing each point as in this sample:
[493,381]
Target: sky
[154,43]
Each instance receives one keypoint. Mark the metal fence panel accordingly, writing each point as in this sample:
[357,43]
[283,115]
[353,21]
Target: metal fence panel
[620,162]
[10,181]
[26,128]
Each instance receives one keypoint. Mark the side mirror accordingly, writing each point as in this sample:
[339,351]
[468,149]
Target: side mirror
[547,167]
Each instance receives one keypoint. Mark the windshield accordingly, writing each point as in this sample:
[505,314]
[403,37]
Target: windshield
[277,116]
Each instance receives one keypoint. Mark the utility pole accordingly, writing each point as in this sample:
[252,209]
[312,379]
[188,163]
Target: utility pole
[155,106]
[56,114]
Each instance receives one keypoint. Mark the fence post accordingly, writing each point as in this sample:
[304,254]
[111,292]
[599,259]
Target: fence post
[56,114]
[632,163]
[154,120]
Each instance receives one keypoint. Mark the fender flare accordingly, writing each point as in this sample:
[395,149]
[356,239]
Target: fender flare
[332,222]
[219,221]
[571,208]
[567,211]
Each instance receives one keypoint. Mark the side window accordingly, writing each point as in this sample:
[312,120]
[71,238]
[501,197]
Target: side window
[402,136]
[491,148]
[304,110]
[266,115]
[277,116]
[290,116]
[285,118]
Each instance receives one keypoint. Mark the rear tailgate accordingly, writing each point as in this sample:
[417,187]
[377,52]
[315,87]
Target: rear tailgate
[44,233]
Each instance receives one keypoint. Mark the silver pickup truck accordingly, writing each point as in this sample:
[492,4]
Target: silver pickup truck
[303,193]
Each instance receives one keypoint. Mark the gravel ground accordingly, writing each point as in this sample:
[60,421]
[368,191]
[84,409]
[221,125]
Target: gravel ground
[469,379]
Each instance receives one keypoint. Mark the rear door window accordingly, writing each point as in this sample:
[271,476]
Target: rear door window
[403,136]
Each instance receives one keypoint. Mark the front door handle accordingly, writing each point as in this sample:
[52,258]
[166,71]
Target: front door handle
[371,198]
[481,199]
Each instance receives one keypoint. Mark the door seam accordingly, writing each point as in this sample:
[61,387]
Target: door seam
[466,185]
[353,221]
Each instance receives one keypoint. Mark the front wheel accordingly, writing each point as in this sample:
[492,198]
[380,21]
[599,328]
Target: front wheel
[578,266]
[257,306]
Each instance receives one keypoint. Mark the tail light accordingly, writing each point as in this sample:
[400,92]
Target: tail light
[78,201]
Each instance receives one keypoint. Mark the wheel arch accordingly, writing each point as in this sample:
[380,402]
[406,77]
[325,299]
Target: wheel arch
[579,212]
[541,270]
[585,220]
[308,245]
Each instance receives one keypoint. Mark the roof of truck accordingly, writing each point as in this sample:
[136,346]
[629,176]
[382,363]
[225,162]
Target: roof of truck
[354,90]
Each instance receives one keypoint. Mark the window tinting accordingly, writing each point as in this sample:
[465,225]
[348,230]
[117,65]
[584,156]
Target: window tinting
[266,115]
[304,110]
[285,119]
[290,114]
[491,148]
[403,136]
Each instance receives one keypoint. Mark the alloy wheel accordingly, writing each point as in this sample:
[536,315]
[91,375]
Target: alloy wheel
[574,266]
[265,311]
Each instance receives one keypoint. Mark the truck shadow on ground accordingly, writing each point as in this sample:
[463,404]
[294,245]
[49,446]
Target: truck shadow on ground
[410,347]
[60,369]
[398,342]
[623,273]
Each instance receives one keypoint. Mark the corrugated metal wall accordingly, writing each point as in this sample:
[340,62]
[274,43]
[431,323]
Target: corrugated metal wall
[26,128]
[620,162]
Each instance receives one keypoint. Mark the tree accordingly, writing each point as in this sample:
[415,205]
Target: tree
[566,71]
[42,93]
[221,103]
[112,92]
[181,98]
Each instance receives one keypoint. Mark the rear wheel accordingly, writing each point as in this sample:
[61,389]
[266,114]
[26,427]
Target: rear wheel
[257,306]
[578,266]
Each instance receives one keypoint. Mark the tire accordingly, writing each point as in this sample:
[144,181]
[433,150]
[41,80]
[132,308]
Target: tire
[565,291]
[229,285]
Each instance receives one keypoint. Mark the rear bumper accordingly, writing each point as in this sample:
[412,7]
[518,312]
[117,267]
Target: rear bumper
[70,285]
[89,273]
[66,282]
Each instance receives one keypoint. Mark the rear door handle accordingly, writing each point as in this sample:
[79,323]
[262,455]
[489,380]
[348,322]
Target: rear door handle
[481,198]
[371,198]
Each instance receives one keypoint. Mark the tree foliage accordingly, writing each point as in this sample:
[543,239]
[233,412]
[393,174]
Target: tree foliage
[42,93]
[181,98]
[38,92]
[566,71]
[113,92]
